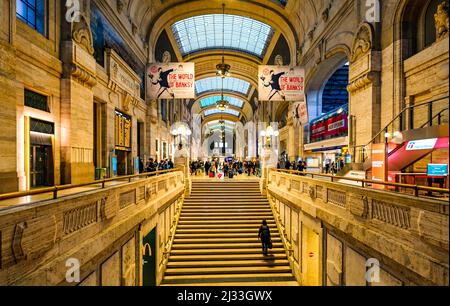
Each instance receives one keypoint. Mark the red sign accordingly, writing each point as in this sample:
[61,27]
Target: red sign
[334,126]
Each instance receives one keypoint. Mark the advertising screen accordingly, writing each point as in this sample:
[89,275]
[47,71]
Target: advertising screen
[437,169]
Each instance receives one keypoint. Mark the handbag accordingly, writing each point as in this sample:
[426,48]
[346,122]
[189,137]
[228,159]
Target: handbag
[270,244]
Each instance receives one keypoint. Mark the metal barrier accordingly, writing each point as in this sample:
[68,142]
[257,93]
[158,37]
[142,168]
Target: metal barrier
[366,183]
[55,189]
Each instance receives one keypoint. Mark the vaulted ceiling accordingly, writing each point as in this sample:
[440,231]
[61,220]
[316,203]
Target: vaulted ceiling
[196,33]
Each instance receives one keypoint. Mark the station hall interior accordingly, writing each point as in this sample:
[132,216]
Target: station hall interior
[159,142]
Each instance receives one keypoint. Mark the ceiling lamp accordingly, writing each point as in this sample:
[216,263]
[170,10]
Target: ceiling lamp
[223,69]
[222,105]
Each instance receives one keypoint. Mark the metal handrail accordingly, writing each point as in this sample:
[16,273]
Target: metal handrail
[55,189]
[364,182]
[434,117]
[401,113]
[408,108]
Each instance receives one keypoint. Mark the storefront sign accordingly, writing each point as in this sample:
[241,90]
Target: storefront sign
[379,172]
[423,144]
[122,75]
[330,126]
[171,81]
[281,83]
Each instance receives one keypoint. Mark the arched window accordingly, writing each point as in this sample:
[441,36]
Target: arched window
[430,27]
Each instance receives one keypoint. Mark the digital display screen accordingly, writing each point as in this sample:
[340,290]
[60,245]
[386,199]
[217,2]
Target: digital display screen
[312,162]
[437,169]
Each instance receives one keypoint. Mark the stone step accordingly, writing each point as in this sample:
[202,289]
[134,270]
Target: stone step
[223,224]
[226,210]
[250,230]
[235,218]
[221,240]
[222,252]
[226,214]
[257,245]
[225,257]
[225,279]
[200,263]
[221,235]
[227,270]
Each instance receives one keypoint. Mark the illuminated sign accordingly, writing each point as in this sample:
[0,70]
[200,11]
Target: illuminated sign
[437,169]
[423,144]
[379,164]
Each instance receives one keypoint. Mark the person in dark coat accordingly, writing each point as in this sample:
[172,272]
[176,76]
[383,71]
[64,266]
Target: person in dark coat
[264,236]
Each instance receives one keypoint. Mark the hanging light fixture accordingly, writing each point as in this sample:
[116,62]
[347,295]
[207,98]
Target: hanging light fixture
[222,104]
[223,69]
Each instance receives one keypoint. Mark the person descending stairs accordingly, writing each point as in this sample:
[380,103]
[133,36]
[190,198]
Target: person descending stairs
[216,241]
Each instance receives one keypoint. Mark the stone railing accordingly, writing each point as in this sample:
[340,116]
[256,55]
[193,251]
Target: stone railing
[408,235]
[168,245]
[99,230]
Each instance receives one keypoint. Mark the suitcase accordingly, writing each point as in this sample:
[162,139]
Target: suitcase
[211,174]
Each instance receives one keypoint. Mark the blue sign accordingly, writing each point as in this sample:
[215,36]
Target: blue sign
[137,165]
[437,169]
[114,165]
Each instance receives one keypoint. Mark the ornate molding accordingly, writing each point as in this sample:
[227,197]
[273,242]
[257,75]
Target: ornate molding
[82,34]
[120,5]
[363,81]
[82,76]
[362,42]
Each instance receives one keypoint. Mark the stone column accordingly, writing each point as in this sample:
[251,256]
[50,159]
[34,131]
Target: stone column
[9,91]
[364,87]
[77,102]
[181,161]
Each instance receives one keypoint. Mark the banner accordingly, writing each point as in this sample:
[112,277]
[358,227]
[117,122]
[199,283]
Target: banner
[171,80]
[379,172]
[300,113]
[281,83]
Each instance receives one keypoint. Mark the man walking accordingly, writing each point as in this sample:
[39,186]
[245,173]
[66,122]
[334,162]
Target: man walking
[264,236]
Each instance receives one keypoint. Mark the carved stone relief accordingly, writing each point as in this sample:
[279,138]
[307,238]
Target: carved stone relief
[82,34]
[441,21]
[362,42]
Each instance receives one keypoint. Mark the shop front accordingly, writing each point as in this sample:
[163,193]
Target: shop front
[123,148]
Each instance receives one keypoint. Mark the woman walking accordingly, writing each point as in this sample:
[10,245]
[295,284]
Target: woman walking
[264,236]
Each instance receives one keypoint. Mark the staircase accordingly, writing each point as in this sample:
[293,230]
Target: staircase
[216,241]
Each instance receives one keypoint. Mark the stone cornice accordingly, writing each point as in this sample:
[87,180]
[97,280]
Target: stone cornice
[372,77]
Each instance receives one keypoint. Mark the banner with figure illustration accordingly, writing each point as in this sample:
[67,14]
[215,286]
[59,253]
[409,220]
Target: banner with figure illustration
[171,81]
[281,83]
[300,113]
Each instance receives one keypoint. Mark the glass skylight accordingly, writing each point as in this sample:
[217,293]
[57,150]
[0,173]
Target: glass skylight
[205,32]
[215,84]
[233,112]
[210,101]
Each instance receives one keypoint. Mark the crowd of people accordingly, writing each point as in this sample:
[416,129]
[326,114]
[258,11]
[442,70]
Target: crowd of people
[294,165]
[153,165]
[230,168]
[334,167]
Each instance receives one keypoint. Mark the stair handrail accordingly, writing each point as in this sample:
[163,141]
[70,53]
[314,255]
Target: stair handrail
[407,108]
[282,230]
[434,117]
[168,246]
